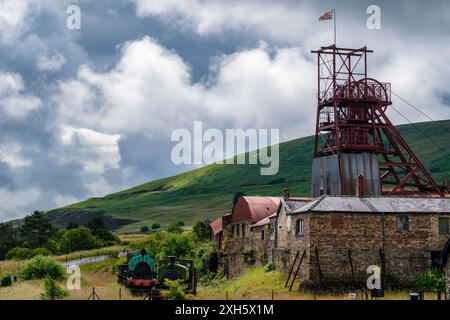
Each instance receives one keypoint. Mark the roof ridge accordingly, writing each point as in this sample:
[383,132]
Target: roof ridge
[319,200]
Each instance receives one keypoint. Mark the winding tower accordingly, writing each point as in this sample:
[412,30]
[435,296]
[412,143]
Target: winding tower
[356,146]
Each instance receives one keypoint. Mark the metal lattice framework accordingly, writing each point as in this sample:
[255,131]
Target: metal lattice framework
[351,118]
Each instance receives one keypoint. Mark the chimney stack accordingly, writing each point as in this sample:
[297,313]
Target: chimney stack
[286,194]
[360,186]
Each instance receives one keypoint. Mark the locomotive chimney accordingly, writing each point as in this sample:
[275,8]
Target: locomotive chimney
[360,186]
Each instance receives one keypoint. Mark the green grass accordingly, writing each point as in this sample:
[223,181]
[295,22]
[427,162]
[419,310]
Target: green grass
[255,284]
[207,192]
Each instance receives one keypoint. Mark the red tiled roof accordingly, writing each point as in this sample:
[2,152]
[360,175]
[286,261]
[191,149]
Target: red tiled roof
[216,226]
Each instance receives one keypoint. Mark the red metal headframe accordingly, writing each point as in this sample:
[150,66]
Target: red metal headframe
[351,118]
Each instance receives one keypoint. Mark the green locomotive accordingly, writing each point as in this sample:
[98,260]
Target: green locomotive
[142,272]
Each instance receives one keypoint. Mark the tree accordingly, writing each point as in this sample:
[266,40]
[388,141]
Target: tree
[201,230]
[36,230]
[236,197]
[156,226]
[79,239]
[99,230]
[180,245]
[145,229]
[52,290]
[8,238]
[72,225]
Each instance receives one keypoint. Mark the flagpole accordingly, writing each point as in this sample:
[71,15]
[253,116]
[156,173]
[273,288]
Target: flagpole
[334,19]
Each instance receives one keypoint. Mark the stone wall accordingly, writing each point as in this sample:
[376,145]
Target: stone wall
[447,278]
[339,247]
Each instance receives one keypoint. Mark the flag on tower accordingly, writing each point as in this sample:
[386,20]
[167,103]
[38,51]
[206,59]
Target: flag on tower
[327,15]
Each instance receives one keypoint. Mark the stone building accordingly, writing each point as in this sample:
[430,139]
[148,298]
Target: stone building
[339,237]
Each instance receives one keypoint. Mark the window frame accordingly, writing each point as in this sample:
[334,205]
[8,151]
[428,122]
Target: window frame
[405,223]
[298,223]
[439,225]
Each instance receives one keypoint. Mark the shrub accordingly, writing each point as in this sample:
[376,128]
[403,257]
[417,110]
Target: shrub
[145,229]
[6,280]
[432,279]
[174,290]
[269,267]
[52,290]
[39,267]
[39,251]
[180,223]
[18,253]
[156,226]
[174,227]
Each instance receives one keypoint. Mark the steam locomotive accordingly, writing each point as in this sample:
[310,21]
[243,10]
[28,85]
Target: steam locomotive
[143,273]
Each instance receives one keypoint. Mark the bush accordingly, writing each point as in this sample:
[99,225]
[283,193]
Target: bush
[156,226]
[174,290]
[145,229]
[52,290]
[6,280]
[18,253]
[432,279]
[174,227]
[180,223]
[269,267]
[39,267]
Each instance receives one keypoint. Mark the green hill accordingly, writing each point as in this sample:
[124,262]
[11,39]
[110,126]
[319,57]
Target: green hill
[207,192]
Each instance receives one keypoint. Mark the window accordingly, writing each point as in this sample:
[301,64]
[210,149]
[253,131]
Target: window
[263,235]
[299,224]
[402,223]
[243,231]
[443,225]
[273,225]
[238,231]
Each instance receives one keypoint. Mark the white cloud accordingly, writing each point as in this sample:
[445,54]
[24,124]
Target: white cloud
[15,203]
[11,153]
[13,16]
[277,19]
[150,91]
[13,101]
[64,200]
[95,150]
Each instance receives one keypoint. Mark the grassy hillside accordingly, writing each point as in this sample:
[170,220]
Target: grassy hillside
[207,192]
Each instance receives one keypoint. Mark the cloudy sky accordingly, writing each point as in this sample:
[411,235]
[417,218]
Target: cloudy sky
[88,112]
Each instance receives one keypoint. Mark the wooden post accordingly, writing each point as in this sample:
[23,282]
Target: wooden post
[272,295]
[351,264]
[120,293]
[318,266]
[296,270]
[292,268]
[226,295]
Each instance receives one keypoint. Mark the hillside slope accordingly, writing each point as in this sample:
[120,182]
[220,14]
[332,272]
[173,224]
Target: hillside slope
[207,192]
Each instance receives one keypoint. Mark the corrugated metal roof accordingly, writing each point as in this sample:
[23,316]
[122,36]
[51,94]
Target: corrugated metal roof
[381,204]
[253,208]
[216,226]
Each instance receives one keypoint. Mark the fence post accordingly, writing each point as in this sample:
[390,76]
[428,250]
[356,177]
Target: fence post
[226,295]
[273,295]
[120,293]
